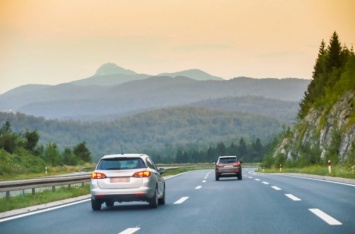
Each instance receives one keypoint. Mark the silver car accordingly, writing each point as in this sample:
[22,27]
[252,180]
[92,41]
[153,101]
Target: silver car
[125,178]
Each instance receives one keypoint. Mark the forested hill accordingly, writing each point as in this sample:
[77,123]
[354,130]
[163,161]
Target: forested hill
[325,129]
[163,130]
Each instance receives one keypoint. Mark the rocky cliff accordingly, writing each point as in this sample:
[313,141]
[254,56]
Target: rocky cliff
[324,133]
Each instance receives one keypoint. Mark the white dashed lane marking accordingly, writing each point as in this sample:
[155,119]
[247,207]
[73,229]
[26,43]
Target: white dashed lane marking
[129,231]
[181,200]
[327,218]
[275,187]
[292,197]
[198,187]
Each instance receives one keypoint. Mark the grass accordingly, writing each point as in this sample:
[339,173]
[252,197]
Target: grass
[337,171]
[46,196]
[51,171]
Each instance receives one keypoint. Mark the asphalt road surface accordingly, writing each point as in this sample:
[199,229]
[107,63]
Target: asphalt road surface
[196,203]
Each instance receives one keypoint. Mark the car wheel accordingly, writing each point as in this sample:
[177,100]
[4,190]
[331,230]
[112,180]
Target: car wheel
[153,202]
[217,177]
[161,200]
[95,205]
[240,177]
[109,203]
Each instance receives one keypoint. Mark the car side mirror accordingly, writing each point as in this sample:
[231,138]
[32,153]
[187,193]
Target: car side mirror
[161,170]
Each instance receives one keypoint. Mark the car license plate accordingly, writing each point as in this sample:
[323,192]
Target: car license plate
[228,166]
[119,180]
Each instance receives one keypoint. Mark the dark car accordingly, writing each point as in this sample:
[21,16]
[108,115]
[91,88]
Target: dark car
[227,166]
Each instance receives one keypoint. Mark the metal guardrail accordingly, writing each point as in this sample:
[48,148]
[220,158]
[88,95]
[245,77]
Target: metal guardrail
[33,184]
[18,185]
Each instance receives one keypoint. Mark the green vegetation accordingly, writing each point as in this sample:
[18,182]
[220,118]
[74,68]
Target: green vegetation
[322,170]
[160,132]
[333,75]
[46,196]
[21,154]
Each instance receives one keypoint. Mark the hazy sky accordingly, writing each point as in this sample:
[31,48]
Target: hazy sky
[57,41]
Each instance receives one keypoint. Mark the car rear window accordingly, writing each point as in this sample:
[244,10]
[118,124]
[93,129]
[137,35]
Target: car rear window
[228,160]
[120,163]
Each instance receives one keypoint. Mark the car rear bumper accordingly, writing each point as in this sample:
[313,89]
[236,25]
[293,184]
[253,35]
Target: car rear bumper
[233,171]
[122,195]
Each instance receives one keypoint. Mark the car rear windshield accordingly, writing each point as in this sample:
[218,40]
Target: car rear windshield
[120,163]
[228,160]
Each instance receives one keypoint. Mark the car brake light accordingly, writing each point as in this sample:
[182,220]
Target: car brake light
[219,165]
[142,174]
[237,164]
[98,175]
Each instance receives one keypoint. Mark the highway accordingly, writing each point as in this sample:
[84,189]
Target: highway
[196,203]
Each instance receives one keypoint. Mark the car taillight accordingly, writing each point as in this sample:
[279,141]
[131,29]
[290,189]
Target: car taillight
[237,164]
[219,164]
[98,175]
[142,174]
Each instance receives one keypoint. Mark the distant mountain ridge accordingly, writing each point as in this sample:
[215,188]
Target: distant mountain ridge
[195,74]
[117,94]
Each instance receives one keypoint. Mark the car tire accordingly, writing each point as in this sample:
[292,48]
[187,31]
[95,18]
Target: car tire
[153,202]
[217,177]
[109,203]
[240,177]
[161,201]
[95,205]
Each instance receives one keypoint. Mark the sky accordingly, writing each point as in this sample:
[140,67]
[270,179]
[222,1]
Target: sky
[56,41]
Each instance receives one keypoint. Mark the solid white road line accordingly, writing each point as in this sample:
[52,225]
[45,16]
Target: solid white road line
[198,187]
[41,211]
[292,197]
[276,188]
[327,218]
[129,231]
[181,200]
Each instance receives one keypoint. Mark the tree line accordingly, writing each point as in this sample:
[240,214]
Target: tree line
[333,75]
[20,152]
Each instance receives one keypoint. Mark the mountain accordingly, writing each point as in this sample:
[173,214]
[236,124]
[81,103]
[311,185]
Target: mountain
[283,110]
[195,74]
[112,69]
[70,101]
[110,74]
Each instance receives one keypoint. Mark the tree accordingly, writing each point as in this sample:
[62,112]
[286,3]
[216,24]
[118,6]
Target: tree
[8,139]
[31,140]
[82,152]
[334,53]
[242,149]
[69,158]
[52,155]
[221,149]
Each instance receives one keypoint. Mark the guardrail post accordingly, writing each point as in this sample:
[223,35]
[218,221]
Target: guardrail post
[53,188]
[7,196]
[33,191]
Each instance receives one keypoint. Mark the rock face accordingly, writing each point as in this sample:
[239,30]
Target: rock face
[323,129]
